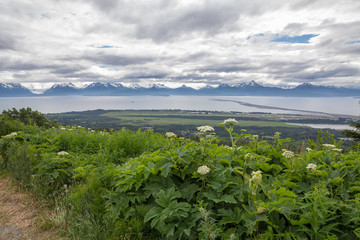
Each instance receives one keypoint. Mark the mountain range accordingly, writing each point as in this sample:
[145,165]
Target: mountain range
[251,88]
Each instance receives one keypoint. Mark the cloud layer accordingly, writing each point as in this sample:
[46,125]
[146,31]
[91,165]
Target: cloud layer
[276,42]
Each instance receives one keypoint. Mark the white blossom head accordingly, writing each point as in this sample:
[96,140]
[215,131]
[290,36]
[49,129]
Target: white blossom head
[11,135]
[203,170]
[329,145]
[231,121]
[256,177]
[308,149]
[287,153]
[205,129]
[170,134]
[339,150]
[311,167]
[62,153]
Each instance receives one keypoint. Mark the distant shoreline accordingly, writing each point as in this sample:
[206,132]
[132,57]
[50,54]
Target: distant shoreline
[288,109]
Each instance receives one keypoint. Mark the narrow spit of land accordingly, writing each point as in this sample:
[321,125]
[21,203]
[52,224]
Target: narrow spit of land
[315,113]
[22,216]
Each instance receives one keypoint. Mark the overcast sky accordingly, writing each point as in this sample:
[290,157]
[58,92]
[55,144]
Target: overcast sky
[195,42]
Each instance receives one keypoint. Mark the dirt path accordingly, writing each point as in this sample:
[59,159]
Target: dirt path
[22,216]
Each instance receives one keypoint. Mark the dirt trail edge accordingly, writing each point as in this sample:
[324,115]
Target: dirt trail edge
[22,216]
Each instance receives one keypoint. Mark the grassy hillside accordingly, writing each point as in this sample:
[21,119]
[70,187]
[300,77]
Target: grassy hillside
[145,185]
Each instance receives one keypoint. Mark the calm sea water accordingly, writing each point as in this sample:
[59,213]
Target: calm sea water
[348,106]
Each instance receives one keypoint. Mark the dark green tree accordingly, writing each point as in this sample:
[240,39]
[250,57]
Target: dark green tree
[354,134]
[28,117]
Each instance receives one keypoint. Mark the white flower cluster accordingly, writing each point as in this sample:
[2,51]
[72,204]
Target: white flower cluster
[170,134]
[228,147]
[337,150]
[311,167]
[329,145]
[11,135]
[203,170]
[205,129]
[231,121]
[62,153]
[287,153]
[308,149]
[256,177]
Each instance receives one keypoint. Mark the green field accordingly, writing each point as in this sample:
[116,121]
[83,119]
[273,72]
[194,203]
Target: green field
[146,119]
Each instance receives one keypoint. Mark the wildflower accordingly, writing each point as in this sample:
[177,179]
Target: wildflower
[62,153]
[287,153]
[255,137]
[311,167]
[308,149]
[11,135]
[256,177]
[228,147]
[231,121]
[329,145]
[62,128]
[277,133]
[337,150]
[248,157]
[170,134]
[205,128]
[203,170]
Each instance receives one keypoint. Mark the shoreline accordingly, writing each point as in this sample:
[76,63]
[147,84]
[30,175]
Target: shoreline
[312,113]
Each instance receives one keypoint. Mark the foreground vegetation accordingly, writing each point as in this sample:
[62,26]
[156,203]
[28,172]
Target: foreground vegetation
[184,123]
[144,185]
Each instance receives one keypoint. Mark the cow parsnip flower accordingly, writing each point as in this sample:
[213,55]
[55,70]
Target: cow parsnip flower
[62,153]
[287,153]
[203,170]
[205,129]
[311,167]
[231,121]
[170,134]
[11,135]
[329,145]
[256,177]
[337,150]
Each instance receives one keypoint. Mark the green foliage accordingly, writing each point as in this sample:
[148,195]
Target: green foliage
[141,185]
[28,117]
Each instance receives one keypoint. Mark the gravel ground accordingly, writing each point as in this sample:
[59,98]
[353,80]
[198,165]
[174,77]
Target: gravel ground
[21,214]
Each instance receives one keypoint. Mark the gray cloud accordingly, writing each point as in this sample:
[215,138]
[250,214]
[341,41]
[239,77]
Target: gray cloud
[203,41]
[6,42]
[117,59]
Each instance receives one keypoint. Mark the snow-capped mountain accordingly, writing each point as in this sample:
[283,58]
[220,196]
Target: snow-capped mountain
[14,90]
[102,89]
[250,88]
[62,89]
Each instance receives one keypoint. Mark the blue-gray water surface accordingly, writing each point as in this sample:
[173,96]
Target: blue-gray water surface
[345,105]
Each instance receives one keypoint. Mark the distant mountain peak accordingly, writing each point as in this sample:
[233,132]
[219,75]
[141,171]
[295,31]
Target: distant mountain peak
[135,86]
[63,85]
[11,85]
[305,85]
[157,85]
[252,83]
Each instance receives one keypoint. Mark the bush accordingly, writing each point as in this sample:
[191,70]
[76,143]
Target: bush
[141,185]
